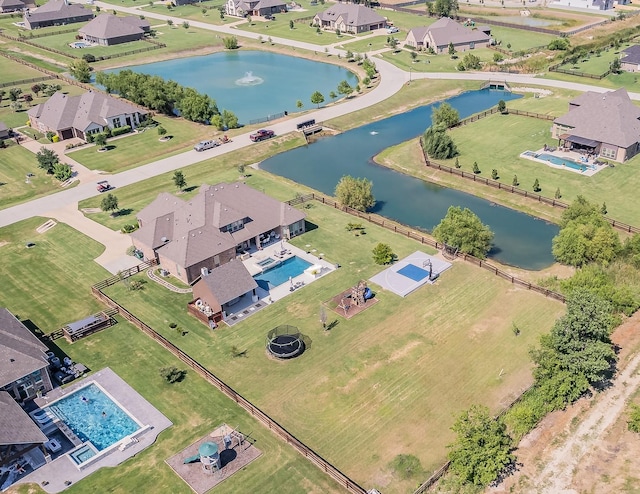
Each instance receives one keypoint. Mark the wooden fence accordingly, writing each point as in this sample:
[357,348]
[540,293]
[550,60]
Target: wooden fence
[270,423]
[491,111]
[25,81]
[407,232]
[556,68]
[155,46]
[36,45]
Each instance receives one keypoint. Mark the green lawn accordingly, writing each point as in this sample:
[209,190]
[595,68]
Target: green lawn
[61,42]
[11,71]
[49,285]
[193,12]
[350,396]
[300,32]
[594,64]
[434,63]
[627,80]
[519,39]
[556,103]
[363,46]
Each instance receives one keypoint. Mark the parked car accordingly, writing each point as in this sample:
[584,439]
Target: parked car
[392,30]
[103,186]
[269,17]
[203,145]
[261,135]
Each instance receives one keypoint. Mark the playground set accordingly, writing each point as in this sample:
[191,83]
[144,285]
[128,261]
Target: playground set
[213,458]
[353,300]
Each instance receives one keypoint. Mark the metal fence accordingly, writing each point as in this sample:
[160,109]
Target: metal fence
[268,118]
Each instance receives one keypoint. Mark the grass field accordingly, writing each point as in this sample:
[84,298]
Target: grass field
[49,285]
[350,395]
[519,39]
[193,12]
[11,71]
[593,64]
[627,80]
[434,63]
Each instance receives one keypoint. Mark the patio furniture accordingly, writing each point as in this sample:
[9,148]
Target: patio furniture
[53,445]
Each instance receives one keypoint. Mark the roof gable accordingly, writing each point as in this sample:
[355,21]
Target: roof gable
[16,427]
[229,281]
[352,14]
[108,26]
[446,30]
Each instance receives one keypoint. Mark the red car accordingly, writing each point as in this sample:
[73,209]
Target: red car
[103,186]
[261,135]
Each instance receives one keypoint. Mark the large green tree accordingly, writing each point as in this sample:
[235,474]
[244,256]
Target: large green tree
[345,88]
[47,159]
[444,114]
[355,193]
[445,8]
[482,449]
[438,144]
[317,98]
[109,203]
[196,106]
[179,180]
[463,229]
[80,70]
[585,236]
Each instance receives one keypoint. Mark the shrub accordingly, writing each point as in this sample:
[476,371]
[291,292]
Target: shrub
[634,418]
[125,129]
[382,254]
[128,228]
[89,58]
[172,374]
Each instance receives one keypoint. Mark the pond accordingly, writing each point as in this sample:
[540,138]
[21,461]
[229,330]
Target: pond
[252,84]
[520,240]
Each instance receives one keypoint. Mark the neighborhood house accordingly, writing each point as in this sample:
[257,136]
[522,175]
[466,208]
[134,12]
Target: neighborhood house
[606,124]
[583,4]
[80,116]
[219,224]
[446,31]
[631,60]
[108,29]
[56,13]
[242,8]
[349,18]
[14,5]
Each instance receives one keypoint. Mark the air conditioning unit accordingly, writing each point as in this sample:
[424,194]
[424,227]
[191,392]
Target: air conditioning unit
[204,272]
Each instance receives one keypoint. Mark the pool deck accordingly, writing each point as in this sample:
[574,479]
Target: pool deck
[246,307]
[571,155]
[62,472]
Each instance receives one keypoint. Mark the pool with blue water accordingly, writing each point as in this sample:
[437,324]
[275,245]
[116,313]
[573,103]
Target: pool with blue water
[93,416]
[556,160]
[276,276]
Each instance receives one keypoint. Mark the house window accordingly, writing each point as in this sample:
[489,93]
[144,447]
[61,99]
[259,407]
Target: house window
[235,226]
[608,152]
[116,122]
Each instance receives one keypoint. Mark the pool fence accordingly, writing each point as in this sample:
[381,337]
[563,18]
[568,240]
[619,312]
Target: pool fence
[341,478]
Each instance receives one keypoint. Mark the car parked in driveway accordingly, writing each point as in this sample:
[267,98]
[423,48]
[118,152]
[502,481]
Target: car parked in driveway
[392,30]
[261,135]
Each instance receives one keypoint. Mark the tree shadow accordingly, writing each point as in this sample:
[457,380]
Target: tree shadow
[331,325]
[124,212]
[191,188]
[377,207]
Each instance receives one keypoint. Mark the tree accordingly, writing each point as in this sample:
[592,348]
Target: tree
[382,254]
[109,203]
[445,8]
[355,193]
[3,93]
[16,105]
[393,43]
[169,23]
[338,32]
[482,448]
[186,25]
[461,228]
[616,66]
[558,195]
[230,42]
[62,171]
[317,98]
[204,11]
[345,88]
[172,374]
[249,20]
[230,119]
[100,140]
[291,24]
[471,62]
[179,180]
[36,88]
[28,98]
[333,95]
[452,49]
[494,174]
[14,93]
[603,208]
[476,169]
[536,186]
[445,114]
[299,104]
[47,159]
[497,57]
[438,144]
[80,70]
[502,106]
[196,106]
[633,424]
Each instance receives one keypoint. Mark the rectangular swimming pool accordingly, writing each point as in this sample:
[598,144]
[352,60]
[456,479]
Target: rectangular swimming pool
[93,416]
[276,276]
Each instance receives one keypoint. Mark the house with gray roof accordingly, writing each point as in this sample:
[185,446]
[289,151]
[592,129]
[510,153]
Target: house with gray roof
[349,18]
[56,13]
[23,360]
[108,29]
[5,131]
[18,433]
[242,8]
[445,31]
[607,124]
[630,62]
[211,229]
[217,291]
[79,116]
[14,5]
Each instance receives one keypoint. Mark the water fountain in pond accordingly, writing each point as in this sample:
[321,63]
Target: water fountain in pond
[249,80]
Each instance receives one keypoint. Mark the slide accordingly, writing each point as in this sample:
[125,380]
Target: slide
[191,459]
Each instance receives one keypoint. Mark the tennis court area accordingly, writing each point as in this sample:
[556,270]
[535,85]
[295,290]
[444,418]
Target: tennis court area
[411,273]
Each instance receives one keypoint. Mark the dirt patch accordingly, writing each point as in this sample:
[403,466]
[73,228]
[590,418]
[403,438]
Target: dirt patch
[3,243]
[343,305]
[587,447]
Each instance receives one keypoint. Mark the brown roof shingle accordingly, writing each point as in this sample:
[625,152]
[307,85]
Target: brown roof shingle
[16,427]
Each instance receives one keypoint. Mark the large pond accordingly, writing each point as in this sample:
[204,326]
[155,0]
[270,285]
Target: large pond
[520,240]
[252,84]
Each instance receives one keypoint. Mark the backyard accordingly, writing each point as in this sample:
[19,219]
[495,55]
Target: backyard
[50,287]
[348,396]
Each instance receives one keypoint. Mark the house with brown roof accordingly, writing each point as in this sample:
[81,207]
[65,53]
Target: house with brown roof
[211,229]
[79,116]
[242,8]
[23,360]
[445,31]
[56,13]
[630,62]
[18,435]
[218,290]
[349,18]
[607,124]
[108,29]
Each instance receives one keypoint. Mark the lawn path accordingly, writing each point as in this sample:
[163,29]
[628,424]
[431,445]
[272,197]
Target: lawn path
[557,476]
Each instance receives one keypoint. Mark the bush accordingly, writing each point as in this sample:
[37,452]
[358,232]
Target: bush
[128,228]
[89,58]
[230,42]
[125,129]
[634,418]
[382,254]
[172,374]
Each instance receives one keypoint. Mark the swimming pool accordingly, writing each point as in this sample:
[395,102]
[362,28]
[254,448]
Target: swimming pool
[80,44]
[292,267]
[556,160]
[93,416]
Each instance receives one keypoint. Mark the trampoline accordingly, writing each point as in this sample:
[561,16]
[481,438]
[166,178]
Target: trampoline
[285,342]
[413,272]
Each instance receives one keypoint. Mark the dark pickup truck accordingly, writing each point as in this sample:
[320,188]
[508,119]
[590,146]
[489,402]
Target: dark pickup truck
[261,135]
